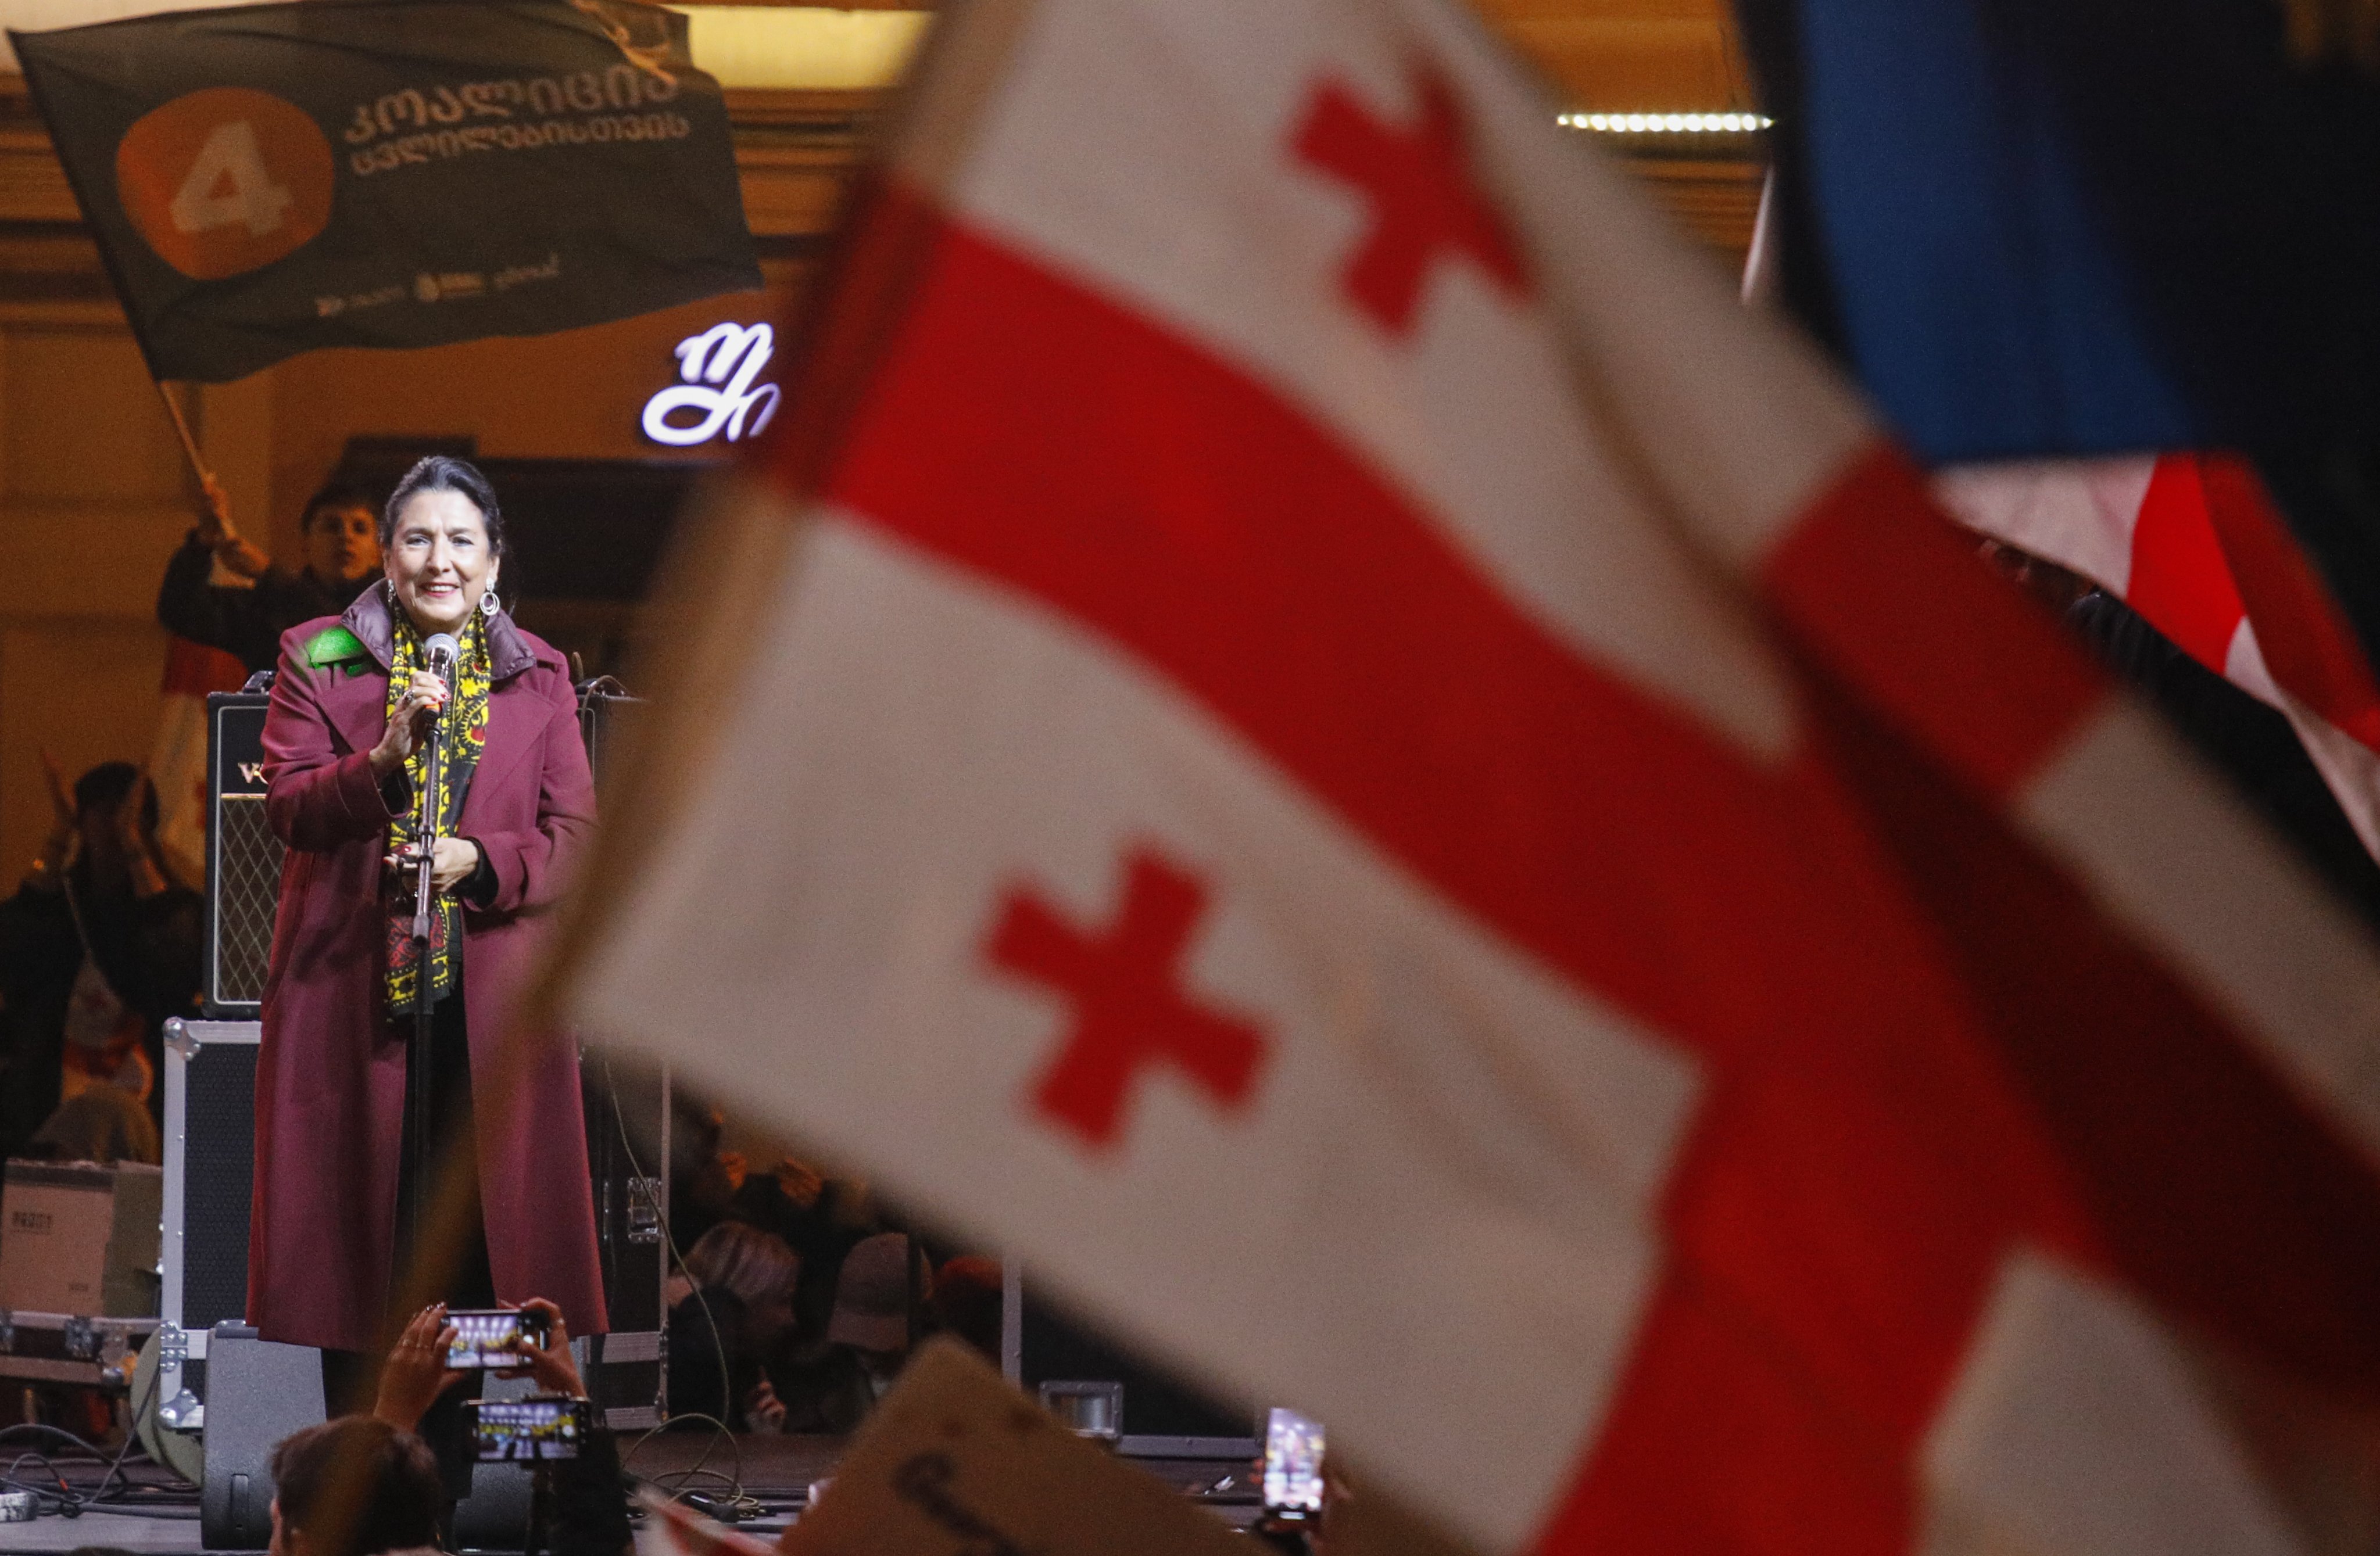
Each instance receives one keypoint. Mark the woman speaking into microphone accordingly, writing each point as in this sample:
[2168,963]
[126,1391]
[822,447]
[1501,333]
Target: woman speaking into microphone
[347,750]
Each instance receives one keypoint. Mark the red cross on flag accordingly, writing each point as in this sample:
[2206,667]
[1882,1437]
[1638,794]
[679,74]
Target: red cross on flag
[1312,731]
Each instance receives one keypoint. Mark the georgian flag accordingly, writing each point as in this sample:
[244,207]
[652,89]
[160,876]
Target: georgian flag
[177,757]
[2192,542]
[1312,731]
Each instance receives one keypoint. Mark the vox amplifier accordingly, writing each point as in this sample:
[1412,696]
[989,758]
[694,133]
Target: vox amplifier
[243,859]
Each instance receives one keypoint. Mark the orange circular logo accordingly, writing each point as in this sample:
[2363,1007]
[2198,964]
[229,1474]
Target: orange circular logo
[224,180]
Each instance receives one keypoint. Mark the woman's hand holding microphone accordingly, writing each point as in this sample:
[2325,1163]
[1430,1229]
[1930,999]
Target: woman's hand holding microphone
[417,711]
[454,860]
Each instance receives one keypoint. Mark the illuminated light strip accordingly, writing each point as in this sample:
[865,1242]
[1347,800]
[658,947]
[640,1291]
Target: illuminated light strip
[1668,124]
[804,48]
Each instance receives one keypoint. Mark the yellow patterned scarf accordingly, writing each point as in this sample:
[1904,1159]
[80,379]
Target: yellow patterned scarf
[463,726]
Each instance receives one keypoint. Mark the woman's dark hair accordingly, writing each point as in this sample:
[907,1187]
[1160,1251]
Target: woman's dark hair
[360,1472]
[441,472]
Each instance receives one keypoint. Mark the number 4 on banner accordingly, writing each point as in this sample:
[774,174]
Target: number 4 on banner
[225,180]
[229,157]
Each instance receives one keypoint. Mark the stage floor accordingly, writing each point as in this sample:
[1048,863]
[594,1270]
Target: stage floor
[774,1471]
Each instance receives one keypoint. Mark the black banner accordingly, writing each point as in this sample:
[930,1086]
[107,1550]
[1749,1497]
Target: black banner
[271,179]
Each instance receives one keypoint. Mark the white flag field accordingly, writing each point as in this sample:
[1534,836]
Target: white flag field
[1312,732]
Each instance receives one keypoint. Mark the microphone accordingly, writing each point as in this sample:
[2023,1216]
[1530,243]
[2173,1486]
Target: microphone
[440,650]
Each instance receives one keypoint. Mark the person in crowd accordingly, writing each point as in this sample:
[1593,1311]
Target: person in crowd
[341,533]
[821,1217]
[703,1178]
[103,1124]
[966,1301]
[98,947]
[352,714]
[396,1502]
[869,1338]
[401,1502]
[739,1312]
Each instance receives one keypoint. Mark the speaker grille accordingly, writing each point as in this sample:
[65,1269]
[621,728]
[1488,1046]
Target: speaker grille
[219,1177]
[247,886]
[243,857]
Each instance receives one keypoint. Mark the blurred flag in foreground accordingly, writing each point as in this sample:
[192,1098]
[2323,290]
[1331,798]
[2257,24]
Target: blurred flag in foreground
[1312,730]
[2190,542]
[2040,228]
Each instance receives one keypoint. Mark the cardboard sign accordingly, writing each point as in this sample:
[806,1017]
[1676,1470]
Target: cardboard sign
[957,1462]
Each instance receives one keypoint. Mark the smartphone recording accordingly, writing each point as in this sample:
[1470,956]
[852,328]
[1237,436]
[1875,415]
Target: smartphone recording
[542,1426]
[1293,1464]
[485,1338]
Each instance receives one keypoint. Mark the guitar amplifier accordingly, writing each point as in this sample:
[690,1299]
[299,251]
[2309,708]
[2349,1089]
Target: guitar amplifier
[243,860]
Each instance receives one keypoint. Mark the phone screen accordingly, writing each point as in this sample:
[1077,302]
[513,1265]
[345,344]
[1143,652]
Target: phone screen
[1292,1463]
[485,1338]
[520,1430]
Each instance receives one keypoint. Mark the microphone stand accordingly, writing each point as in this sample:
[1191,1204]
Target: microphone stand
[418,1061]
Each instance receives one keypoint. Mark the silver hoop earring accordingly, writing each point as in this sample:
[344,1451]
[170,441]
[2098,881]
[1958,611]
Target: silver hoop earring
[490,604]
[388,590]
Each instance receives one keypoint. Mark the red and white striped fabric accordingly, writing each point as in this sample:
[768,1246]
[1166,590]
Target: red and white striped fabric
[1363,769]
[177,761]
[2193,543]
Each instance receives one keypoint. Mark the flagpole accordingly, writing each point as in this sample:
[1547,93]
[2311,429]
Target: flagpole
[182,430]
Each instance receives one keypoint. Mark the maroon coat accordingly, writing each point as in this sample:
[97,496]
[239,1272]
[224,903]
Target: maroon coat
[329,1080]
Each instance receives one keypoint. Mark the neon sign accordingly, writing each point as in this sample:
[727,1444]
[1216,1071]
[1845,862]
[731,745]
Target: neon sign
[715,371]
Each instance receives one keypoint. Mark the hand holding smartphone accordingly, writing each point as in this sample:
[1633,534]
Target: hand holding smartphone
[489,1337]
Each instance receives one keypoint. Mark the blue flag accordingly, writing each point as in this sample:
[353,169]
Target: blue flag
[2043,227]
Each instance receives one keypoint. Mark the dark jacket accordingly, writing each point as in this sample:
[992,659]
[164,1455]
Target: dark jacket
[590,1502]
[831,1391]
[704,1328]
[244,623]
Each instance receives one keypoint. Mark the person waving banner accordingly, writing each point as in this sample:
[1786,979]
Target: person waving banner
[270,180]
[1309,729]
